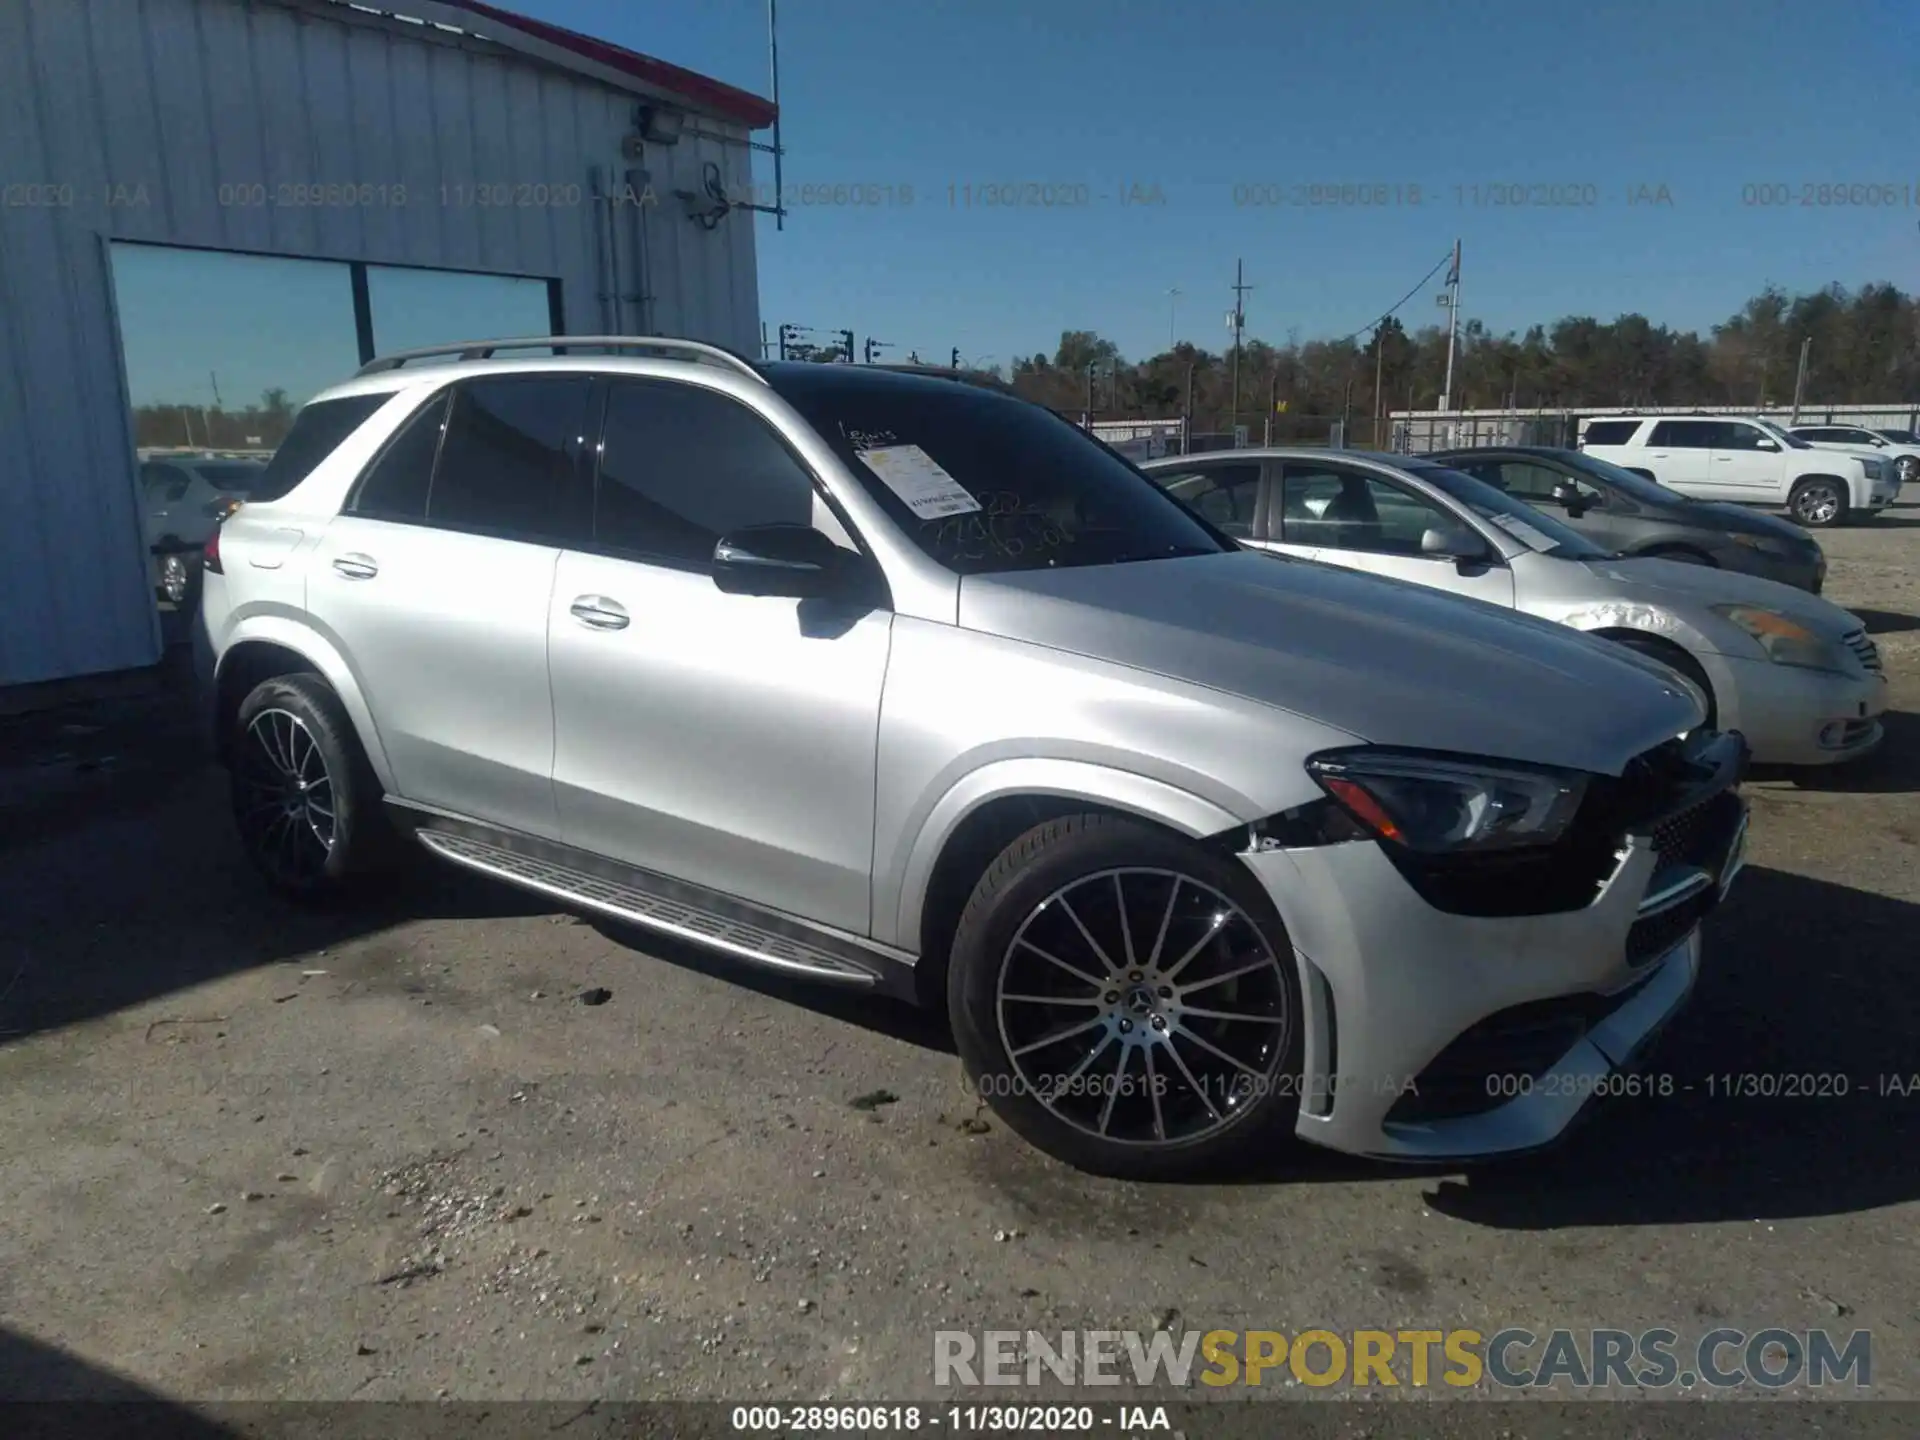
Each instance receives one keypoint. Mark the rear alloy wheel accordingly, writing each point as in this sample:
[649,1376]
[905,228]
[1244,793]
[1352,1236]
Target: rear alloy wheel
[1126,1000]
[304,798]
[1818,504]
[1906,467]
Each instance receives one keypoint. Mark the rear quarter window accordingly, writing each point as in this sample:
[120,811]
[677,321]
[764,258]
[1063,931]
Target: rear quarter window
[317,432]
[1609,432]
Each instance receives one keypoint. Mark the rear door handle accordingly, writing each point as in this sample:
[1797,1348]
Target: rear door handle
[356,566]
[600,612]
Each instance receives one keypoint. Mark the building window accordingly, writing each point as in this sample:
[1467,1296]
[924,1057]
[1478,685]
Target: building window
[411,309]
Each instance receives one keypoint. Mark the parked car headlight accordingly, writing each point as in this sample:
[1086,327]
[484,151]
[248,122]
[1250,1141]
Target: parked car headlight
[1431,803]
[1787,642]
[1876,469]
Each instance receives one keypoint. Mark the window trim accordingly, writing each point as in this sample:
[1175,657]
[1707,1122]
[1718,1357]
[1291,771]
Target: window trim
[605,384]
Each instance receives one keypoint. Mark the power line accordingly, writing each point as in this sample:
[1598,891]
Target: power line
[1446,259]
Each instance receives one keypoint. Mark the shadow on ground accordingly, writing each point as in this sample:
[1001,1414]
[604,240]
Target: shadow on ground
[48,1392]
[1795,1081]
[1892,769]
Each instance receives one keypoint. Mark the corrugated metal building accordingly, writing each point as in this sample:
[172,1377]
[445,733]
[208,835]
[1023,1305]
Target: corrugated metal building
[211,198]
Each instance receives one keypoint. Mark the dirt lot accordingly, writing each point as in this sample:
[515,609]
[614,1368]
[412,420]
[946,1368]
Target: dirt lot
[248,1152]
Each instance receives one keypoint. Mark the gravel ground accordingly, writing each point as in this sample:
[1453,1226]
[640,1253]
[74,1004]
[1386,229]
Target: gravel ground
[248,1152]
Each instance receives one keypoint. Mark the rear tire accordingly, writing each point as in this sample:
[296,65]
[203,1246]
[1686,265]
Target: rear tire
[307,804]
[1818,503]
[1127,1000]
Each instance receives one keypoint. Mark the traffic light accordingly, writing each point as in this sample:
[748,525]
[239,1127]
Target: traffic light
[787,333]
[846,343]
[874,347]
[956,357]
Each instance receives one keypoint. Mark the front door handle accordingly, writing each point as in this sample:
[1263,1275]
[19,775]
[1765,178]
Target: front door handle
[356,566]
[600,612]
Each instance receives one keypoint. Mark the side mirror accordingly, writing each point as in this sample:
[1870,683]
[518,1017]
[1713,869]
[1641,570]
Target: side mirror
[794,561]
[1768,445]
[1567,494]
[1452,542]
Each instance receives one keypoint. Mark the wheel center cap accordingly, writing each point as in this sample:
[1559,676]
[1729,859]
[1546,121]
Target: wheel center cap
[1140,1000]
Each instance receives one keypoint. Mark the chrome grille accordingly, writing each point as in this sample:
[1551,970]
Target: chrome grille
[1863,648]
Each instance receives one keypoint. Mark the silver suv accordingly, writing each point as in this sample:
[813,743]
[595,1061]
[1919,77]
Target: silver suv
[905,684]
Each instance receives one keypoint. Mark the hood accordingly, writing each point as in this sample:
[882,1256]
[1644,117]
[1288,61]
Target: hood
[1739,520]
[1388,662]
[1692,588]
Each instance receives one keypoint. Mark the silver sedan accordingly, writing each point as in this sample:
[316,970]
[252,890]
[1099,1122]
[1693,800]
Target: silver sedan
[1796,675]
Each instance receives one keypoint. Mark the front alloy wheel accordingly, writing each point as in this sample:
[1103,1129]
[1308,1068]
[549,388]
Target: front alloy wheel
[1163,1032]
[1818,503]
[1127,1000]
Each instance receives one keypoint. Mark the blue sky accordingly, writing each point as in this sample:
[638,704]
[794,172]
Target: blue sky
[1703,97]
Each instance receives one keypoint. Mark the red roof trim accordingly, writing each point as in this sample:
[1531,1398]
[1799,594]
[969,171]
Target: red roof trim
[701,90]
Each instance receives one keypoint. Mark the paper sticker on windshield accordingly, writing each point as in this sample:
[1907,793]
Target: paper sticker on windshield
[912,474]
[1523,532]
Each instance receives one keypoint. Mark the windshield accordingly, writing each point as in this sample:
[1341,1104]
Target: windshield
[985,484]
[1774,430]
[1541,533]
[1637,487]
[1899,437]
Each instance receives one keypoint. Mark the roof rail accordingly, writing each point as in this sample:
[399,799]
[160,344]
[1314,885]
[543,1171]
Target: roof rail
[668,346]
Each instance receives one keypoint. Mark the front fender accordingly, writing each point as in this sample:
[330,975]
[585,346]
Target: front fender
[902,894]
[285,630]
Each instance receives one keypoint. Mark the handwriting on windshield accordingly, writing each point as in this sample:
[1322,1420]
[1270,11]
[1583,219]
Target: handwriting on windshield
[1004,527]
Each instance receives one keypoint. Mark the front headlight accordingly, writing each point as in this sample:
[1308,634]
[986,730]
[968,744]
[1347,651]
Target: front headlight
[1876,469]
[1431,803]
[1787,642]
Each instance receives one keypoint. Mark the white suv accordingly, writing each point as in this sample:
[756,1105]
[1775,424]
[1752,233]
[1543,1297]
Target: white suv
[910,686]
[1858,440]
[1738,457]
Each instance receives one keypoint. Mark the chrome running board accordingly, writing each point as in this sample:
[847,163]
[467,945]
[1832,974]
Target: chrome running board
[662,904]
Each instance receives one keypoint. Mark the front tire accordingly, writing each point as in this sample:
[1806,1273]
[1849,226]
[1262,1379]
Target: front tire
[307,803]
[1127,1000]
[1818,504]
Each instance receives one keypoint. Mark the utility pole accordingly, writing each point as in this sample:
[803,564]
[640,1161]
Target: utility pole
[1453,323]
[1186,416]
[1800,380]
[763,339]
[1173,317]
[1238,321]
[1379,358]
[1273,404]
[1092,365]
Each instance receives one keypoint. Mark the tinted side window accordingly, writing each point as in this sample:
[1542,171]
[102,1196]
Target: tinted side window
[1730,435]
[317,432]
[395,485]
[1226,494]
[1610,432]
[509,463]
[164,482]
[680,466]
[1685,434]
